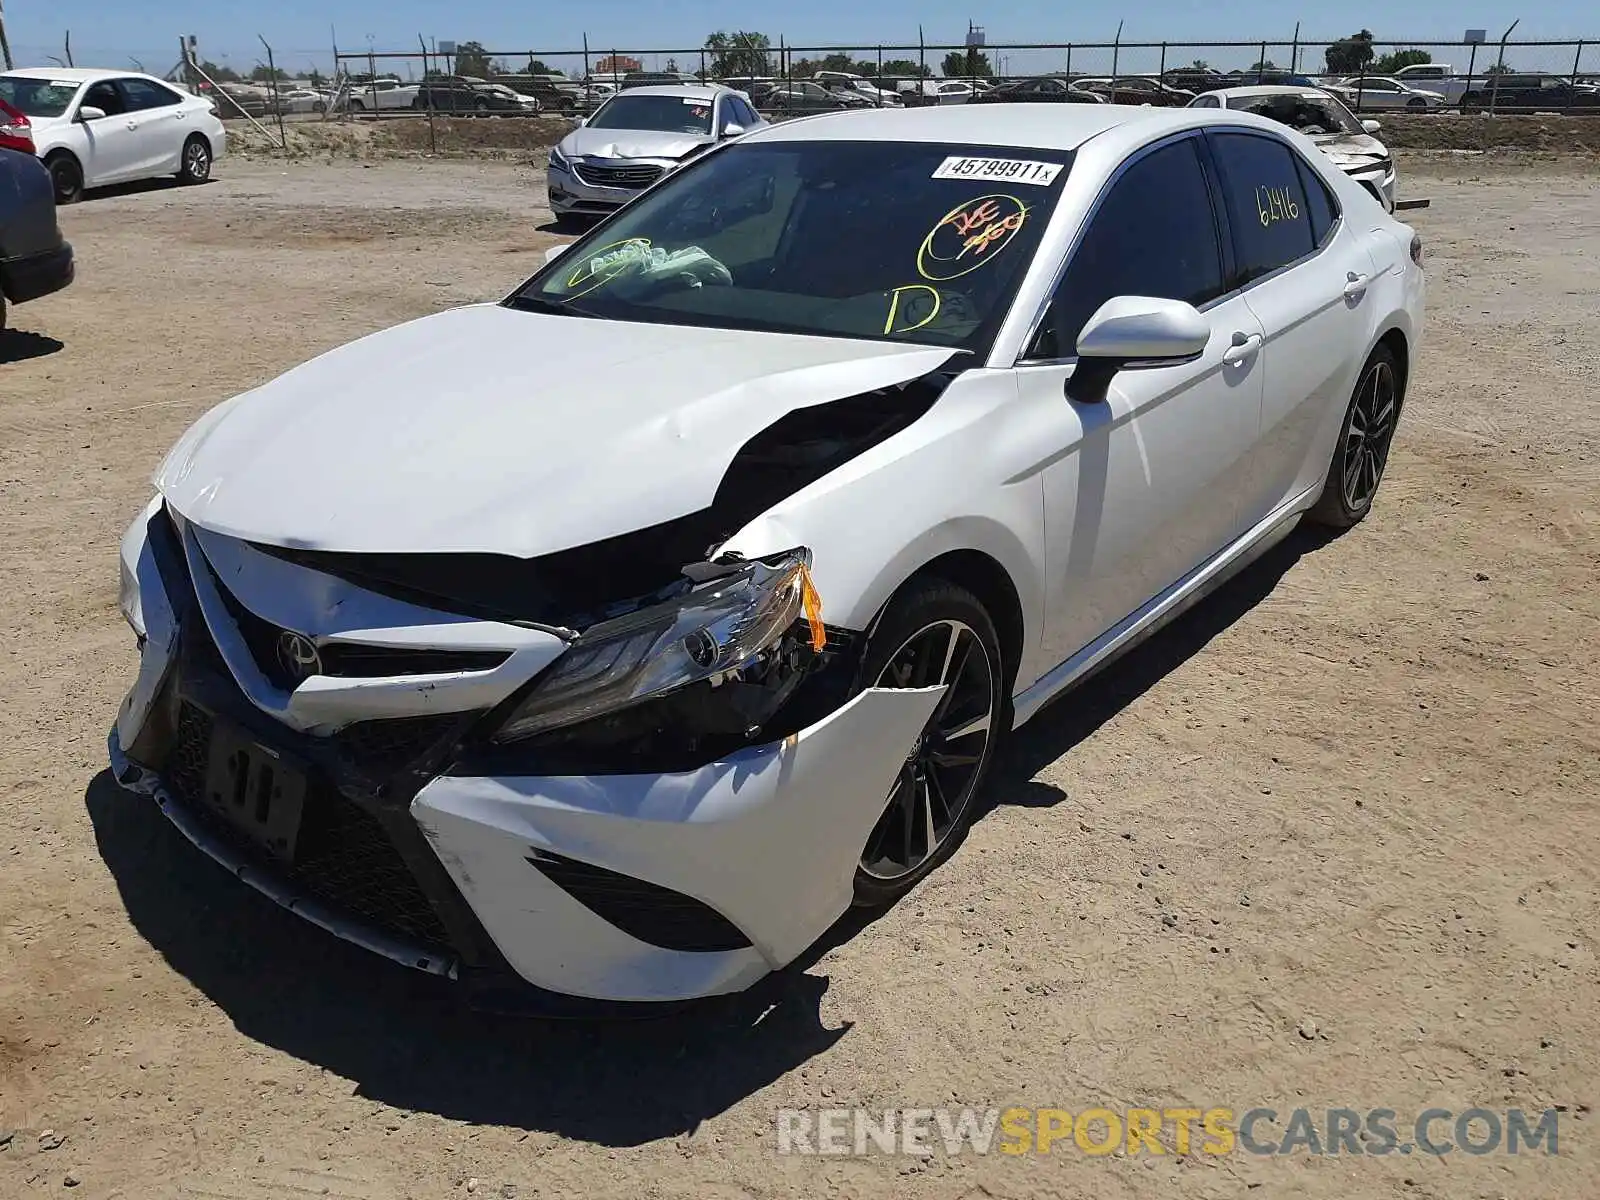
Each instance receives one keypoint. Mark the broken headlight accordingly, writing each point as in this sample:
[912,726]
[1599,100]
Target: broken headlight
[707,632]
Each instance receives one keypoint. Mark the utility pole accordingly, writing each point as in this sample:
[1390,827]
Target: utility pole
[5,46]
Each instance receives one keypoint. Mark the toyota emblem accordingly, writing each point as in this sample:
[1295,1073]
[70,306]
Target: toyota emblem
[297,655]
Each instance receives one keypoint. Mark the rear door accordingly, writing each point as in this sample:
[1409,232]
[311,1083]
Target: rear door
[161,122]
[1144,486]
[1305,273]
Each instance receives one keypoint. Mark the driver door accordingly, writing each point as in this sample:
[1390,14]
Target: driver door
[112,150]
[1148,483]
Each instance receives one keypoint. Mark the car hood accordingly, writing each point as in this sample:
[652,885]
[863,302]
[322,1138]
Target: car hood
[1348,147]
[630,143]
[488,429]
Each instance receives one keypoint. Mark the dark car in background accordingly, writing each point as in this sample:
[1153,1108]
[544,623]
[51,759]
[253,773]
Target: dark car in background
[1047,89]
[1528,93]
[810,97]
[34,258]
[464,96]
[1136,89]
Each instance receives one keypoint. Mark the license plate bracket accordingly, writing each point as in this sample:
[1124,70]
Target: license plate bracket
[255,790]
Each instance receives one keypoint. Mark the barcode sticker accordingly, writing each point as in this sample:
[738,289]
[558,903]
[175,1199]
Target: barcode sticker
[1004,170]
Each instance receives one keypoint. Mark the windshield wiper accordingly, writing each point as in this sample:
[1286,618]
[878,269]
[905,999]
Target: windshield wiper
[541,305]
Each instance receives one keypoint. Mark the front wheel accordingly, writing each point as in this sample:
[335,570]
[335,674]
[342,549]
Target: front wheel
[934,633]
[66,177]
[1364,439]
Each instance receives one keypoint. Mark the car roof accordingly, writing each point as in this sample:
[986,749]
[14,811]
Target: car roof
[77,74]
[1036,126]
[699,91]
[1267,89]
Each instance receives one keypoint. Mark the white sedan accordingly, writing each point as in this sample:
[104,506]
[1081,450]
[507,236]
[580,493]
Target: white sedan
[93,128]
[1369,92]
[798,484]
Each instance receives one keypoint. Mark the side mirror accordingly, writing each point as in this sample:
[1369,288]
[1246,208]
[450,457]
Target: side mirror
[1372,126]
[89,112]
[1134,332]
[554,252]
[732,129]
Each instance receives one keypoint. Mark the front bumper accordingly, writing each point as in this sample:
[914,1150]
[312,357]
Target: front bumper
[653,887]
[572,195]
[29,277]
[1378,180]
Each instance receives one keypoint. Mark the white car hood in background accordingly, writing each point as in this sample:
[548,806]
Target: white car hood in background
[487,429]
[630,143]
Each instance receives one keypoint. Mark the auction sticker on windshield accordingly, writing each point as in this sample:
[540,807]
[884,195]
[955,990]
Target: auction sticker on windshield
[1011,170]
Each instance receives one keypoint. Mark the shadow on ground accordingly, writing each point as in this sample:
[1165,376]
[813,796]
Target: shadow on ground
[17,346]
[407,1040]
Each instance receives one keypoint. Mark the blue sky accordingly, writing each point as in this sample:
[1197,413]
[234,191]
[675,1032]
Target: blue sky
[112,32]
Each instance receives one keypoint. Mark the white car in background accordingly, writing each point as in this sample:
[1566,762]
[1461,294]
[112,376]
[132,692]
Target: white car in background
[93,128]
[1378,92]
[1323,117]
[373,94]
[833,456]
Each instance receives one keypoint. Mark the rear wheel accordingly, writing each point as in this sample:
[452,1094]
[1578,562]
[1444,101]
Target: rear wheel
[66,175]
[1363,450]
[196,166]
[933,633]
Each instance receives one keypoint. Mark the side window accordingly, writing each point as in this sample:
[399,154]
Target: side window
[142,94]
[1266,203]
[1321,207]
[1205,102]
[104,96]
[1153,234]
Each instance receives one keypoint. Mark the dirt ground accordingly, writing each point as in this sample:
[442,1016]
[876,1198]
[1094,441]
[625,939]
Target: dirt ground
[1330,841]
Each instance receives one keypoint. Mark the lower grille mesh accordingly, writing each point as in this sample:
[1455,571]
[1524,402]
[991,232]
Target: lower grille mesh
[342,855]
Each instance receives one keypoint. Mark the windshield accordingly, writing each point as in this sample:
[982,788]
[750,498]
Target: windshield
[37,97]
[1309,114]
[659,114]
[917,242]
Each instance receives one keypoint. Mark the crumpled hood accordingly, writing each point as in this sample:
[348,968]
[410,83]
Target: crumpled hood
[487,429]
[1344,147]
[630,143]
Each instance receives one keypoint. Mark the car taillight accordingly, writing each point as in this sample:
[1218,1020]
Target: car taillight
[15,128]
[1416,248]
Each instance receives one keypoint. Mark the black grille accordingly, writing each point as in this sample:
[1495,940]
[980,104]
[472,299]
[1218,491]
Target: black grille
[342,854]
[342,660]
[377,746]
[647,911]
[632,177]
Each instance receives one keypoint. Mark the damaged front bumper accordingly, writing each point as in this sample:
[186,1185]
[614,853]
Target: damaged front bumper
[528,884]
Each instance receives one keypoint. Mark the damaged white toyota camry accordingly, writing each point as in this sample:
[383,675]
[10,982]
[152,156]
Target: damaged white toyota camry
[609,641]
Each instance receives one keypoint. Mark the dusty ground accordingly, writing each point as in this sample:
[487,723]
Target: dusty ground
[1330,841]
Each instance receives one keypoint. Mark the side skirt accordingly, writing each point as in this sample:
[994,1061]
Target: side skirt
[1165,606]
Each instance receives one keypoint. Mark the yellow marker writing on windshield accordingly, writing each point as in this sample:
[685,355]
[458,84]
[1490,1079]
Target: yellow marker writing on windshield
[894,307]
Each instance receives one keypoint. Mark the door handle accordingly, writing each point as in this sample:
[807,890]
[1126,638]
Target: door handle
[1355,285]
[1244,346]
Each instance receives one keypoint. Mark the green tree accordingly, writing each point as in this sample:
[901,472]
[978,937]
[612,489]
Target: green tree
[265,74]
[1388,64]
[220,74]
[905,68]
[315,77]
[472,59]
[536,67]
[1200,64]
[740,55]
[1499,69]
[1351,55]
[1265,64]
[968,64]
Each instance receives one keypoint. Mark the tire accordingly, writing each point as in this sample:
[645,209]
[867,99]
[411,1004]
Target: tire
[357,106]
[1356,470]
[196,161]
[1416,102]
[66,173]
[911,648]
[319,107]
